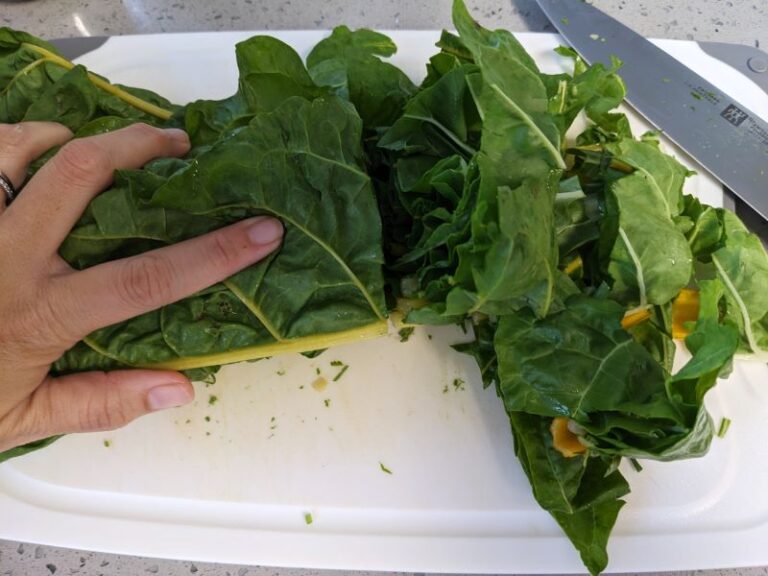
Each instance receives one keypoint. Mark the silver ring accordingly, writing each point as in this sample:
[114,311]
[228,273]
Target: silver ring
[8,188]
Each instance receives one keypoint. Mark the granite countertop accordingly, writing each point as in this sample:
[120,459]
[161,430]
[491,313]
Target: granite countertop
[741,21]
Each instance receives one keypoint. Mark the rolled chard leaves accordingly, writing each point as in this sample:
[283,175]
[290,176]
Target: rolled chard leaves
[567,255]
[300,163]
[281,146]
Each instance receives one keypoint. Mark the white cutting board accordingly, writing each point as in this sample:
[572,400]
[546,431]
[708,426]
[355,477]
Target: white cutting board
[233,481]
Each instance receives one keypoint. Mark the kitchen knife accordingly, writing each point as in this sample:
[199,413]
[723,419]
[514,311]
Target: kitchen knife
[723,135]
[72,48]
[750,61]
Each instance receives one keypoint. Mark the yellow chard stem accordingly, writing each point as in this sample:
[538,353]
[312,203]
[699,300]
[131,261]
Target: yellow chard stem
[301,344]
[635,317]
[126,97]
[573,265]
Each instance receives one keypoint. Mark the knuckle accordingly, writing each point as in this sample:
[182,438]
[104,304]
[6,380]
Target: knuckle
[224,249]
[146,281]
[148,133]
[104,411]
[84,162]
[36,328]
[13,333]
[29,420]
[12,139]
[57,322]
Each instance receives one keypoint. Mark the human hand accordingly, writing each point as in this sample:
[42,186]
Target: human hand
[46,306]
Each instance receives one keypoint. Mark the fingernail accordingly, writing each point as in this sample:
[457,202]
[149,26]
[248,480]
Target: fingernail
[265,230]
[179,135]
[168,396]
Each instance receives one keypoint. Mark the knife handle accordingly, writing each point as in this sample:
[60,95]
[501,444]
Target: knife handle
[750,61]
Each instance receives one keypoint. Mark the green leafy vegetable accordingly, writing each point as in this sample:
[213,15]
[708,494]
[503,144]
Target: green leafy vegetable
[36,83]
[565,255]
[722,430]
[341,372]
[582,493]
[742,265]
[348,62]
[405,333]
[300,163]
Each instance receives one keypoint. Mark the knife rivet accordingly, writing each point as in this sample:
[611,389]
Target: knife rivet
[758,65]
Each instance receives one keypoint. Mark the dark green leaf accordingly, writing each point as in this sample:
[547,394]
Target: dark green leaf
[582,493]
[742,266]
[441,120]
[651,259]
[301,163]
[27,448]
[349,63]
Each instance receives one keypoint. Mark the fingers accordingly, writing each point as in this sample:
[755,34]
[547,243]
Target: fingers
[118,290]
[93,401]
[22,143]
[57,195]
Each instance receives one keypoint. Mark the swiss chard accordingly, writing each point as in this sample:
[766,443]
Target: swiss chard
[582,493]
[36,83]
[349,63]
[742,265]
[302,163]
[281,146]
[567,257]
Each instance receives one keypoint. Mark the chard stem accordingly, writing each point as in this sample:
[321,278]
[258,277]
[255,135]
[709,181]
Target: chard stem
[566,196]
[528,121]
[740,303]
[634,317]
[126,97]
[301,344]
[468,150]
[255,310]
[638,268]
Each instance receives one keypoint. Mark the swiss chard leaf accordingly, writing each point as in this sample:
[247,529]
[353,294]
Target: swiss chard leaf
[582,493]
[589,530]
[742,265]
[270,71]
[706,234]
[577,217]
[580,363]
[509,262]
[301,163]
[651,260]
[664,175]
[37,83]
[603,367]
[349,63]
[441,120]
[597,90]
[712,345]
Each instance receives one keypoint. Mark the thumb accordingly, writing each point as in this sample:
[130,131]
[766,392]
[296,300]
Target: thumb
[94,401]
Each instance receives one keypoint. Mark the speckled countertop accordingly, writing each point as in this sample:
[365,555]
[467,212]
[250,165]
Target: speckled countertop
[743,21]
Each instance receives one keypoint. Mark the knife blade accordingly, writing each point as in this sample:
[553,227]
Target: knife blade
[72,48]
[723,135]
